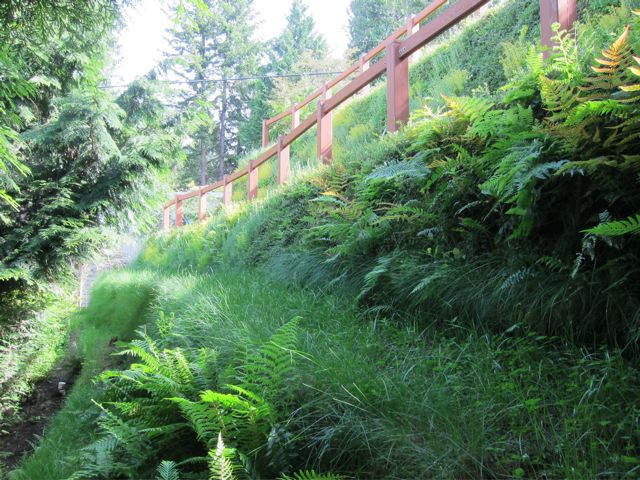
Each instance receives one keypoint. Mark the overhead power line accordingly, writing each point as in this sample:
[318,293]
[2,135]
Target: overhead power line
[231,79]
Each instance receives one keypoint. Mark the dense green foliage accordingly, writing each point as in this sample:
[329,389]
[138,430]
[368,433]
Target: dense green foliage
[86,158]
[371,21]
[456,300]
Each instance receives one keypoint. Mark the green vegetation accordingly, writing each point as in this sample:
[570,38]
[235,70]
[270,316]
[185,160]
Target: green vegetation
[458,300]
[117,307]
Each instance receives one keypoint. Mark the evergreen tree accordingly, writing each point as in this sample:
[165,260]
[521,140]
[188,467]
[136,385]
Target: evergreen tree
[88,160]
[371,21]
[294,47]
[298,38]
[210,43]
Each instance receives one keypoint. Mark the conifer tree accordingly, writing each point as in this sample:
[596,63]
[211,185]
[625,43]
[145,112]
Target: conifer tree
[210,44]
[371,21]
[298,43]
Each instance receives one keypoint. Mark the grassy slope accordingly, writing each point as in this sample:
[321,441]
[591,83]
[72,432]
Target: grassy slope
[394,399]
[373,398]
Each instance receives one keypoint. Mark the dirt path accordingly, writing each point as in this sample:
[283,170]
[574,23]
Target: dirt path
[45,400]
[48,395]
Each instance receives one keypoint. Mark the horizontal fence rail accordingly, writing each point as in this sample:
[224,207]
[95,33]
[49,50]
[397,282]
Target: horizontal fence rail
[397,49]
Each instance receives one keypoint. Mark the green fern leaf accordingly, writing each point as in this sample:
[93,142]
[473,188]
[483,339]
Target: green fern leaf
[168,470]
[311,475]
[221,464]
[617,228]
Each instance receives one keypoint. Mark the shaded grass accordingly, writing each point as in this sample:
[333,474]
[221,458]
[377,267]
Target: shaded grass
[29,351]
[116,308]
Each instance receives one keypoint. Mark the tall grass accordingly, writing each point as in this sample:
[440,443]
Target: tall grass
[371,398]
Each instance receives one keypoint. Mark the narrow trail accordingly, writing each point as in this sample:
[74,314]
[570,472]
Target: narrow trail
[44,402]
[48,394]
[126,252]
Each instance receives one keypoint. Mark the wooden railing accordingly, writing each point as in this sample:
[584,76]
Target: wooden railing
[398,47]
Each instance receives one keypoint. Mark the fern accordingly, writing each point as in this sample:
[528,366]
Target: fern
[311,475]
[221,465]
[412,169]
[470,109]
[611,73]
[635,70]
[271,369]
[617,228]
[558,98]
[168,470]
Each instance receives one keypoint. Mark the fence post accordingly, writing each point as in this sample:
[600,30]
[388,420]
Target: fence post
[397,88]
[564,12]
[165,219]
[179,219]
[364,66]
[412,27]
[202,205]
[253,181]
[325,129]
[265,133]
[228,191]
[295,117]
[283,162]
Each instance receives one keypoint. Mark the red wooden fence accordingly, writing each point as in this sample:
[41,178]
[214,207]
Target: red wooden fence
[398,47]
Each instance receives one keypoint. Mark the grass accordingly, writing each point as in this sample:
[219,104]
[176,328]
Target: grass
[428,346]
[372,398]
[117,307]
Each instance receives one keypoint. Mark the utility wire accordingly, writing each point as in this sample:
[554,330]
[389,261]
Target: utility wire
[230,79]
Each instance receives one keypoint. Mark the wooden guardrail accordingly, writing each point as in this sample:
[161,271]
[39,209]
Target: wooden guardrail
[398,47]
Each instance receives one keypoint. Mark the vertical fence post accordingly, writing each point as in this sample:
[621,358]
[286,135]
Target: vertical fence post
[284,153]
[325,129]
[253,181]
[165,219]
[179,220]
[397,88]
[564,12]
[412,27]
[265,133]
[364,66]
[283,162]
[227,197]
[202,205]
[295,117]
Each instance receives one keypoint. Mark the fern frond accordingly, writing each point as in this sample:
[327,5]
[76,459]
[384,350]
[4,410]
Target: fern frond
[470,109]
[558,98]
[311,475]
[411,169]
[617,228]
[221,464]
[168,470]
[612,72]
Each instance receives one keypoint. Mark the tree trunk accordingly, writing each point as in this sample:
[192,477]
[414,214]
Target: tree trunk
[223,119]
[203,163]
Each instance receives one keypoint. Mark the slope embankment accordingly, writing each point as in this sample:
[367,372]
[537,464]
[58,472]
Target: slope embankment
[458,300]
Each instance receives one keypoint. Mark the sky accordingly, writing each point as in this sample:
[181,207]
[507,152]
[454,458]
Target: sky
[143,39]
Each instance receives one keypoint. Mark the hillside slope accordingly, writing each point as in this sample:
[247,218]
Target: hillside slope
[456,301]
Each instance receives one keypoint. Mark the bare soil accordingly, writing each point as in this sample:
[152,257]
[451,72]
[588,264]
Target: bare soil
[35,411]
